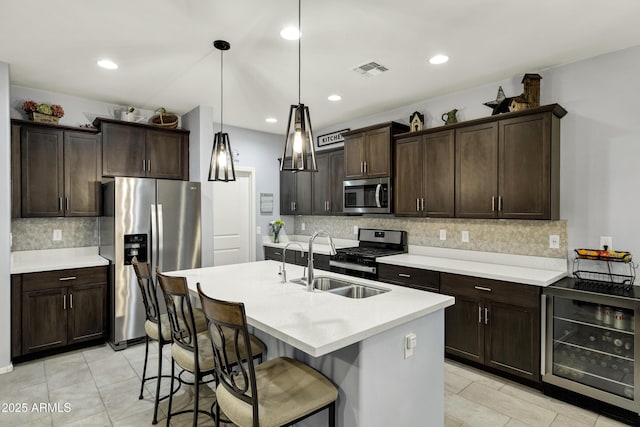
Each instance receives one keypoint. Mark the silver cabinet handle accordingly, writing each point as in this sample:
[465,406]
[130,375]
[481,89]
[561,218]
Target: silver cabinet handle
[482,288]
[70,301]
[417,204]
[404,275]
[479,314]
[486,315]
[144,166]
[365,167]
[422,203]
[64,301]
[499,203]
[361,167]
[493,204]
[67,203]
[148,165]
[59,203]
[64,279]
[278,253]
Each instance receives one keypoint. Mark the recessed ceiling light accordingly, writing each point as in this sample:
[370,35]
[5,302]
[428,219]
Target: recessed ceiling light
[438,59]
[290,33]
[271,120]
[334,97]
[108,64]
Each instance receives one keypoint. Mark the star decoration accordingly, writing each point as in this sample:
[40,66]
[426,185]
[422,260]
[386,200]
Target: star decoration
[499,98]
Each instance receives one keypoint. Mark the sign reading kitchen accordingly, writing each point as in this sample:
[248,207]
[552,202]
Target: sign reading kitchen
[331,138]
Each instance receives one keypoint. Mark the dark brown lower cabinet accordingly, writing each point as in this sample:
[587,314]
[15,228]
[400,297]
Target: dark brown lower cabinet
[426,280]
[494,323]
[57,308]
[294,256]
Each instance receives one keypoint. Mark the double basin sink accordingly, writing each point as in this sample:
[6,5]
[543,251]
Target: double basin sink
[342,287]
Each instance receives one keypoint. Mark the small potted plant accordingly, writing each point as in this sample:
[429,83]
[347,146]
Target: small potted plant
[276,226]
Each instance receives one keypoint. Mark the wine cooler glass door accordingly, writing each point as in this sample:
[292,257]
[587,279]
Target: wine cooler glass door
[593,344]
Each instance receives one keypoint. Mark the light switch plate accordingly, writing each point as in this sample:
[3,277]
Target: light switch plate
[258,230]
[443,234]
[57,235]
[554,241]
[303,226]
[465,236]
[355,229]
[410,342]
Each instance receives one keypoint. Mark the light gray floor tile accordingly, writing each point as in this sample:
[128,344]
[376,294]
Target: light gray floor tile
[96,420]
[474,375]
[140,419]
[40,422]
[20,409]
[112,369]
[136,351]
[565,421]
[454,382]
[93,354]
[508,405]
[23,375]
[473,414]
[121,399]
[64,371]
[607,422]
[451,421]
[513,422]
[84,401]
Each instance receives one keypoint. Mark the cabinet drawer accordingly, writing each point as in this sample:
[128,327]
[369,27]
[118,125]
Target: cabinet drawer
[407,276]
[496,290]
[275,254]
[72,276]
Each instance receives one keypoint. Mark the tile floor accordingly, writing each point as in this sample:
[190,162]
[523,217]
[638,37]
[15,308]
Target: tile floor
[100,387]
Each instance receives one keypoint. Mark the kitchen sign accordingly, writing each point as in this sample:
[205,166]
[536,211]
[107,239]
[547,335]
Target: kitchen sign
[331,138]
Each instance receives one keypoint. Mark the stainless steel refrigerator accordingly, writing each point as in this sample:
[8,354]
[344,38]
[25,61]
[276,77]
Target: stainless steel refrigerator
[157,221]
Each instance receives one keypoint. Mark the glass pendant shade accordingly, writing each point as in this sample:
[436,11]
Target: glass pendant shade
[299,153]
[221,166]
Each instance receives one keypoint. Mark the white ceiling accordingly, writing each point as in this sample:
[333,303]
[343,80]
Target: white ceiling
[164,49]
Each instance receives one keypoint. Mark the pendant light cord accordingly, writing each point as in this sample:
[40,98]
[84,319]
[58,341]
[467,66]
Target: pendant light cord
[221,86]
[299,49]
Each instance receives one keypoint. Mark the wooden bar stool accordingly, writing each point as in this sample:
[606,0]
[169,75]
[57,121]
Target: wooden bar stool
[278,392]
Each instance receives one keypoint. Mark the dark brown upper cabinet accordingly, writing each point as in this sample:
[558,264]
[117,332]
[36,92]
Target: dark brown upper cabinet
[424,175]
[327,183]
[368,152]
[295,193]
[55,171]
[141,150]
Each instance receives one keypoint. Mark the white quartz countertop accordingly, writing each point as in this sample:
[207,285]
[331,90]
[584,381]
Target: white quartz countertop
[320,245]
[511,268]
[314,322]
[55,259]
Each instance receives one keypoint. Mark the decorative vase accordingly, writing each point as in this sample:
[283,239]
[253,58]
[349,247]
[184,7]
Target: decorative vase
[276,236]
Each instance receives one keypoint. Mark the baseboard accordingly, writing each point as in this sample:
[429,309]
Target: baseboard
[6,369]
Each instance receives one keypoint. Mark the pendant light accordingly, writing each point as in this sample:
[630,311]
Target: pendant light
[299,154]
[221,167]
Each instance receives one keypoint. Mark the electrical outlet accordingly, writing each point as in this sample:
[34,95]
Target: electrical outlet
[443,234]
[410,342]
[258,230]
[303,226]
[465,236]
[355,230]
[606,241]
[554,241]
[57,235]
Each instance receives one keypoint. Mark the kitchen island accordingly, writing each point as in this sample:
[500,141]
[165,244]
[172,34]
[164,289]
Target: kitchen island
[358,343]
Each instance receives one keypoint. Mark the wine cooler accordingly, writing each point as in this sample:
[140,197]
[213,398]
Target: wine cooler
[590,343]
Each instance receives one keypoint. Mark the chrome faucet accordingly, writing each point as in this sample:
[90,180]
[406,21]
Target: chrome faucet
[310,255]
[283,271]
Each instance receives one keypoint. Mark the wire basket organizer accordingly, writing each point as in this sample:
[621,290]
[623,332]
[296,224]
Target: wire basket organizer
[604,266]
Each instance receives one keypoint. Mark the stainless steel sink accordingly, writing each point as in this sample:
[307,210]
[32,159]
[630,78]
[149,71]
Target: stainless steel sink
[341,287]
[359,291]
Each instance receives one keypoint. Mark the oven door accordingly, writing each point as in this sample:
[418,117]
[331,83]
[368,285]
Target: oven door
[355,270]
[367,196]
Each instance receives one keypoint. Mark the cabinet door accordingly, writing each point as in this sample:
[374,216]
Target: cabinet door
[86,311]
[408,177]
[512,339]
[123,150]
[463,328]
[287,192]
[525,161]
[354,155]
[44,319]
[165,154]
[16,174]
[42,172]
[477,171]
[320,183]
[82,172]
[439,174]
[378,153]
[303,192]
[426,280]
[336,182]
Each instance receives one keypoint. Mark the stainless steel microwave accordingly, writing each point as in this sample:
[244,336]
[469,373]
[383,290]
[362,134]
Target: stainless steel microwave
[367,196]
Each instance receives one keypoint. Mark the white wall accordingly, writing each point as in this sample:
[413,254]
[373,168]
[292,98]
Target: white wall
[258,150]
[5,221]
[600,141]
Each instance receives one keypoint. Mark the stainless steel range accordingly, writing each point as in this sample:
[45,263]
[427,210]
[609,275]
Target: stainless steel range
[360,261]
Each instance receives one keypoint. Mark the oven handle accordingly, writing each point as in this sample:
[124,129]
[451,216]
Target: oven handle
[351,266]
[378,188]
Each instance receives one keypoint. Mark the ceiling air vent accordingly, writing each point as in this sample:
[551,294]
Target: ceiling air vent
[370,69]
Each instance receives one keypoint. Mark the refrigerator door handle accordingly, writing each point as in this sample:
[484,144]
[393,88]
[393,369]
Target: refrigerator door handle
[160,238]
[153,238]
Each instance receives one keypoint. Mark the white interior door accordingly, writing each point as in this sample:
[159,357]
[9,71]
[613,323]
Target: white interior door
[234,218]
